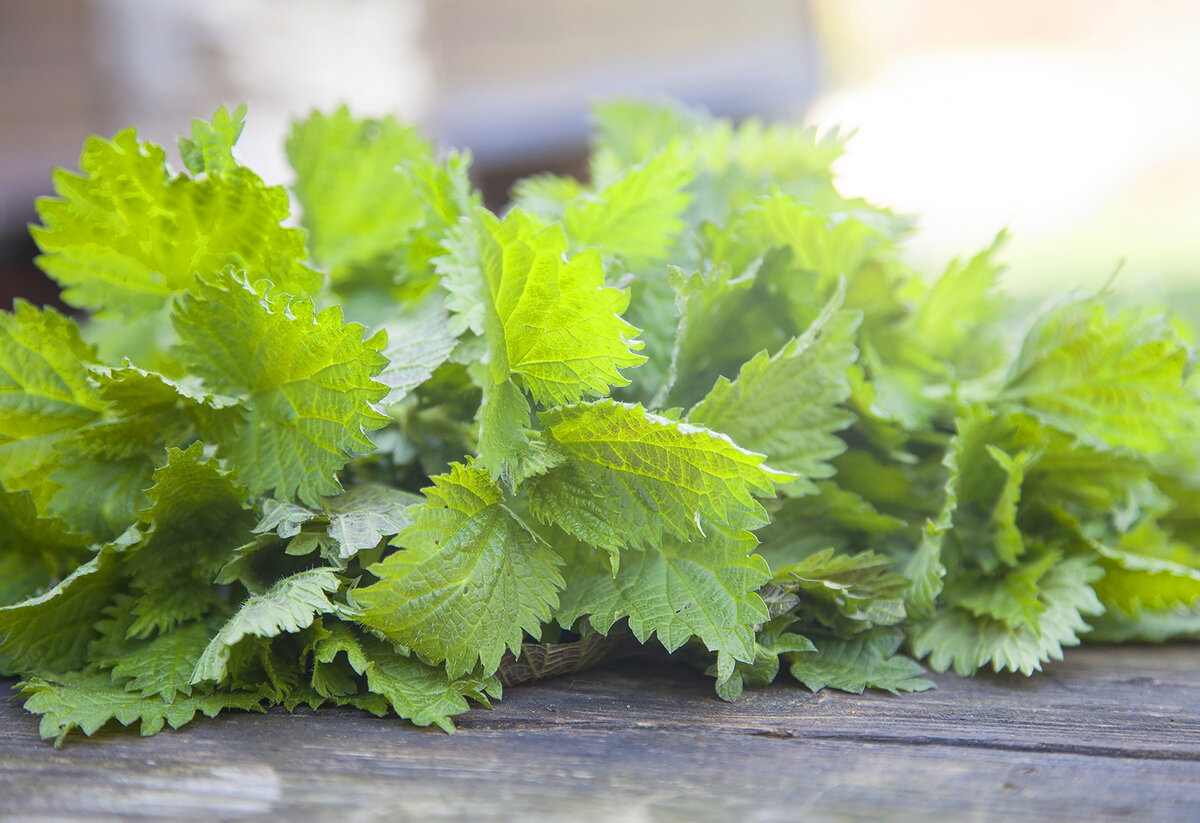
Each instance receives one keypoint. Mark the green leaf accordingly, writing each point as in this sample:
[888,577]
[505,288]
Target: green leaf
[87,701]
[45,394]
[977,526]
[361,516]
[197,516]
[107,464]
[160,666]
[287,607]
[51,632]
[414,351]
[125,237]
[506,449]
[845,592]
[637,215]
[954,637]
[788,406]
[350,180]
[414,690]
[34,551]
[830,249]
[949,321]
[470,580]
[757,307]
[210,148]
[773,640]
[1014,598]
[566,498]
[304,376]
[551,325]
[660,475]
[925,569]
[706,588]
[1112,382]
[866,661]
[555,326]
[147,405]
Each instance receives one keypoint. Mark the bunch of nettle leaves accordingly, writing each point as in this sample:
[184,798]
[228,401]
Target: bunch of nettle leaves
[699,402]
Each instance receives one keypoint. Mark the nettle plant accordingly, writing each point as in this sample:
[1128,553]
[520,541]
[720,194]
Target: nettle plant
[417,451]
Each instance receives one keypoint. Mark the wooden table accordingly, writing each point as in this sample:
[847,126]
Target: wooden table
[1109,734]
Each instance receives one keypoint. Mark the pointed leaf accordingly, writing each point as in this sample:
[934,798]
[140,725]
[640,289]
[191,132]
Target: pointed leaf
[304,376]
[661,475]
[289,606]
[469,581]
[124,237]
[706,589]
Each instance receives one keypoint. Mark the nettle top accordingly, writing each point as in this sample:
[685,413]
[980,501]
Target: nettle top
[416,449]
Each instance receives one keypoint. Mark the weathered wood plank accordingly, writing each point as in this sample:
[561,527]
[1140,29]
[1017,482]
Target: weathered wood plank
[1109,734]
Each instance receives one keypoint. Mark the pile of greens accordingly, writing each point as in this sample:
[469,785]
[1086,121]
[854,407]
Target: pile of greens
[417,451]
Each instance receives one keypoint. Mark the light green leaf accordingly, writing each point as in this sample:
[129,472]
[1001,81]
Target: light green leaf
[636,216]
[788,406]
[546,195]
[832,249]
[125,237]
[1111,381]
[305,378]
[661,475]
[355,520]
[627,132]
[358,201]
[735,164]
[210,148]
[285,519]
[460,270]
[551,325]
[363,515]
[469,581]
[947,322]
[956,638]
[45,394]
[1145,570]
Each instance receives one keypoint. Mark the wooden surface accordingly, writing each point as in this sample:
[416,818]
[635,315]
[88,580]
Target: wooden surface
[1109,734]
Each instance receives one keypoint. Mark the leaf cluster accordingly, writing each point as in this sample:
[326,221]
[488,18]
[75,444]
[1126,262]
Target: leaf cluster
[416,449]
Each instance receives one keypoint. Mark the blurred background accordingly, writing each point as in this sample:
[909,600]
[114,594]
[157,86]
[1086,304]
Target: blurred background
[1073,122]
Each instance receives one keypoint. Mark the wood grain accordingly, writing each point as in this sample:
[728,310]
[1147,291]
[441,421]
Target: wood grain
[1109,734]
